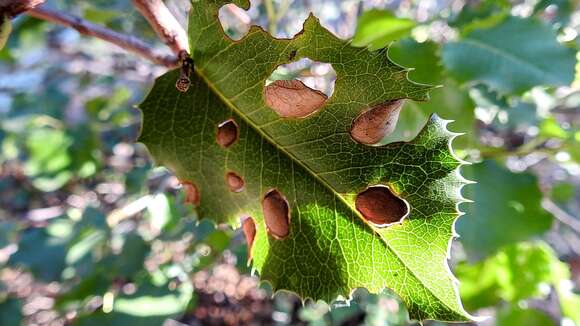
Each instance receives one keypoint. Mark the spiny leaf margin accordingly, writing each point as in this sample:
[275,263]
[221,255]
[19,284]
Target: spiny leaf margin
[172,142]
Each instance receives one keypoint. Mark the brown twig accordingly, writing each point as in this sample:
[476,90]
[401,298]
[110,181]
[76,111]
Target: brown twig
[127,42]
[164,24]
[561,215]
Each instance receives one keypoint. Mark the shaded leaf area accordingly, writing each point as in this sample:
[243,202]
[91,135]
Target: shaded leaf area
[503,200]
[313,164]
[151,304]
[511,57]
[80,255]
[10,311]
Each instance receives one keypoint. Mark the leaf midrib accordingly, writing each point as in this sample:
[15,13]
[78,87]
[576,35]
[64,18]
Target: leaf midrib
[502,53]
[311,172]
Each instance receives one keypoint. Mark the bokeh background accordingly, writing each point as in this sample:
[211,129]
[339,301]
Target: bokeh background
[93,233]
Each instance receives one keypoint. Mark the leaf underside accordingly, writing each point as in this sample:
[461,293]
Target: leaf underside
[330,249]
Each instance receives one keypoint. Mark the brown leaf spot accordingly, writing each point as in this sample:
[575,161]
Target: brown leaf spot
[192,195]
[276,214]
[228,133]
[374,124]
[235,182]
[249,228]
[293,99]
[380,206]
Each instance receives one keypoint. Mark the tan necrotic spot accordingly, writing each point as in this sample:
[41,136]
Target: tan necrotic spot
[276,214]
[192,195]
[378,205]
[227,133]
[371,126]
[293,99]
[249,229]
[235,182]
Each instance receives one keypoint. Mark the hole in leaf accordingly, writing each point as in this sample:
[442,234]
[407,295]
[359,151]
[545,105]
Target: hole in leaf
[371,126]
[380,206]
[235,21]
[235,182]
[227,133]
[276,214]
[192,195]
[249,228]
[299,89]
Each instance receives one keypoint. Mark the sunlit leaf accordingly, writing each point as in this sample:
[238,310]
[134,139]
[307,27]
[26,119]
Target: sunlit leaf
[302,175]
[378,28]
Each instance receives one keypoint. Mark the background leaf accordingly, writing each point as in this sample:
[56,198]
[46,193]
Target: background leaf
[511,57]
[378,28]
[499,206]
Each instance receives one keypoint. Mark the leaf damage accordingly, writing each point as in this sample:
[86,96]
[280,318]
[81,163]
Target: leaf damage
[309,237]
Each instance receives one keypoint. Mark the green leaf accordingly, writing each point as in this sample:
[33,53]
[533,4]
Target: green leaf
[11,312]
[151,304]
[514,315]
[512,57]
[41,253]
[449,101]
[562,192]
[49,159]
[506,209]
[378,28]
[515,273]
[5,29]
[313,162]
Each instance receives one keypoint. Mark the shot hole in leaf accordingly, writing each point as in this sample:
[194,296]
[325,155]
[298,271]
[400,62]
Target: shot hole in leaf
[235,182]
[300,88]
[192,195]
[227,133]
[379,206]
[235,21]
[249,229]
[371,126]
[276,214]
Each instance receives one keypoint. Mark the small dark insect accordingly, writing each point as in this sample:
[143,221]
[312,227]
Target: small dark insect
[182,84]
[292,55]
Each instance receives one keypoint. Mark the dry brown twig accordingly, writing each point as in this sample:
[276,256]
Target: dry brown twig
[155,11]
[164,23]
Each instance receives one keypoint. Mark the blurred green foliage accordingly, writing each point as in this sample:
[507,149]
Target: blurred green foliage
[88,224]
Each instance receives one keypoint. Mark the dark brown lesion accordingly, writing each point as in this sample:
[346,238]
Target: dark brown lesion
[380,206]
[249,229]
[276,214]
[227,133]
[192,194]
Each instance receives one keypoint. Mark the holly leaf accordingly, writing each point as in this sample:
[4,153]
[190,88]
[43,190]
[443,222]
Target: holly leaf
[503,200]
[323,213]
[512,57]
[449,101]
[378,28]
